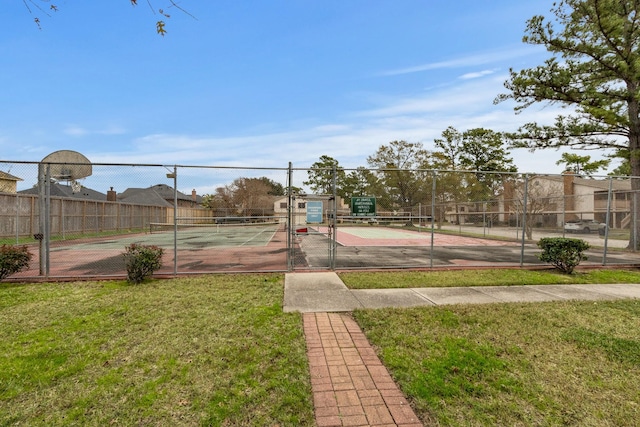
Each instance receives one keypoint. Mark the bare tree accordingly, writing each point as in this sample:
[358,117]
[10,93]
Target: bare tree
[543,198]
[40,8]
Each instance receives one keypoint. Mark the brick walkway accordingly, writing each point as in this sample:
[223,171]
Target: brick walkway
[351,387]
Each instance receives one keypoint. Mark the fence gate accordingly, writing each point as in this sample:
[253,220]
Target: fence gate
[312,239]
[313,244]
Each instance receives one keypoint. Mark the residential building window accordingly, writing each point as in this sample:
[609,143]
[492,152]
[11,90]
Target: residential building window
[302,205]
[283,205]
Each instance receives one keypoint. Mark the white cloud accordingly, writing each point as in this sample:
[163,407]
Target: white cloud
[466,104]
[477,74]
[475,59]
[420,118]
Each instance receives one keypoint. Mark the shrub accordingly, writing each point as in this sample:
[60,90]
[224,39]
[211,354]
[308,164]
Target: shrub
[564,253]
[13,259]
[141,261]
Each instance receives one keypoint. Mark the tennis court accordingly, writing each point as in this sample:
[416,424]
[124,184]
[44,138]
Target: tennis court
[376,246]
[200,236]
[201,248]
[216,235]
[387,236]
[262,247]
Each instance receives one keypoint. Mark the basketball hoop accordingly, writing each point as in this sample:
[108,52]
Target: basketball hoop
[69,166]
[75,186]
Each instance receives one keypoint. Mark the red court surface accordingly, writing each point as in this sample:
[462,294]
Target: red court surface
[383,236]
[103,258]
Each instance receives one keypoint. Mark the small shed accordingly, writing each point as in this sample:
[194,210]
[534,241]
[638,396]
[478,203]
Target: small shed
[8,183]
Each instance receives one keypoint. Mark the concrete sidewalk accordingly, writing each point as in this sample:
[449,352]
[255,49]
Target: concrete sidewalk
[325,292]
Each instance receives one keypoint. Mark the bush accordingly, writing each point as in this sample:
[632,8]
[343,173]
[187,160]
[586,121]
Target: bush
[141,261]
[13,259]
[564,253]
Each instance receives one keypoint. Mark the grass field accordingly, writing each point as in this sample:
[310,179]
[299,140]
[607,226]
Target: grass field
[214,350]
[217,350]
[487,277]
[544,364]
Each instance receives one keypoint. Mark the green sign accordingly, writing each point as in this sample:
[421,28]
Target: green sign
[363,206]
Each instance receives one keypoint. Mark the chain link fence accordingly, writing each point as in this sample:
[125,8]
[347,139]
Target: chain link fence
[234,219]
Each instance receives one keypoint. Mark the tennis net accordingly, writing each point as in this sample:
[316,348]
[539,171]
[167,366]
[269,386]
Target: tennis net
[198,226]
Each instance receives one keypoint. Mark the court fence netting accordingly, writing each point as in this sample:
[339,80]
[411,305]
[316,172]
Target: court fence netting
[212,219]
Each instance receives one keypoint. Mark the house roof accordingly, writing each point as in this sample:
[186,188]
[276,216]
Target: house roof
[8,177]
[157,195]
[142,196]
[62,190]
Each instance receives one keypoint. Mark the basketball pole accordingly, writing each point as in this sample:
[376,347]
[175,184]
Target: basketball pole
[174,175]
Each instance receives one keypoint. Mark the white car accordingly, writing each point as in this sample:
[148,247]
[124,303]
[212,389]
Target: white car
[582,226]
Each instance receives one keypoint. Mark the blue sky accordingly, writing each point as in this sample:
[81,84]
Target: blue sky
[259,83]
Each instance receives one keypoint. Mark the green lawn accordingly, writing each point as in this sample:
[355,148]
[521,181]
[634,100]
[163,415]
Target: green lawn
[543,364]
[214,350]
[488,277]
[217,350]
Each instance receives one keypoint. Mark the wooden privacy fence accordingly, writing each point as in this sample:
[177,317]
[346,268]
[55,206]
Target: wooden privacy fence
[19,216]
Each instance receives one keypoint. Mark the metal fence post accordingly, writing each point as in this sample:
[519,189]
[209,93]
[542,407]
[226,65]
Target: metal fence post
[288,227]
[524,218]
[173,175]
[333,222]
[17,218]
[41,217]
[433,215]
[634,217]
[607,216]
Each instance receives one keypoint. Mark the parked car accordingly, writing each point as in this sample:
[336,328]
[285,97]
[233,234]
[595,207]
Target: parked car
[583,226]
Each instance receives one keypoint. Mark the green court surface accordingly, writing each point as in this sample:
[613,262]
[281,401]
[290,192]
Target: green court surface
[189,237]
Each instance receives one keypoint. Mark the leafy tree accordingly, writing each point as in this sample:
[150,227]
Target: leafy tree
[582,165]
[594,69]
[358,182]
[624,168]
[403,172]
[294,190]
[448,150]
[321,175]
[450,184]
[484,152]
[479,150]
[277,189]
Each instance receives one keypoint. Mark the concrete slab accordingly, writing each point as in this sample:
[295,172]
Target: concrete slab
[573,292]
[320,301]
[380,298]
[445,296]
[313,281]
[615,290]
[325,292]
[516,293]
[317,292]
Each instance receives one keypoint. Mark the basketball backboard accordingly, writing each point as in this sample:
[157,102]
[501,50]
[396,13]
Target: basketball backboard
[67,165]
